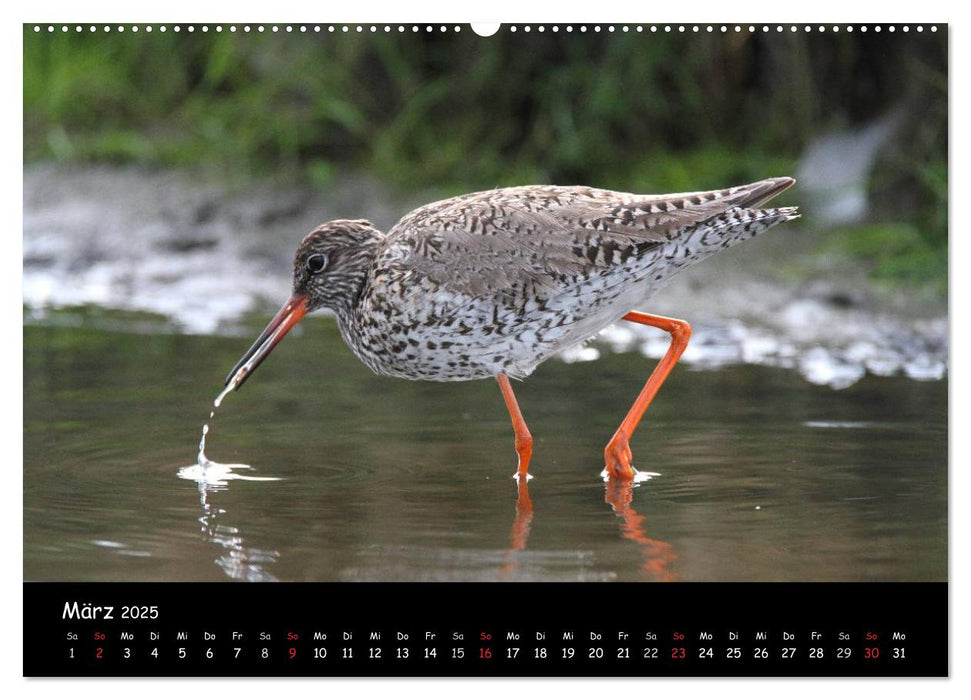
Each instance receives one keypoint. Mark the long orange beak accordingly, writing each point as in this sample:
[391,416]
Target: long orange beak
[286,318]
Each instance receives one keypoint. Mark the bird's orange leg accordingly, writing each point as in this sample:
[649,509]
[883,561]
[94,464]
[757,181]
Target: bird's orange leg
[524,441]
[617,454]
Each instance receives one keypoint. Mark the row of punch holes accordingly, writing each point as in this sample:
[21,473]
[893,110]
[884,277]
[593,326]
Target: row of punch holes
[482,30]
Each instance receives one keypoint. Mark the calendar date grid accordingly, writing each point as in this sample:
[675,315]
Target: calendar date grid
[483,630]
[484,646]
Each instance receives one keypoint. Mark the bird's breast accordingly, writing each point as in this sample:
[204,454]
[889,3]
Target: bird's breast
[409,326]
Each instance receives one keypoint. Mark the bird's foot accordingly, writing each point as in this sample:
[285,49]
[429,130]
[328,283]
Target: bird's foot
[524,448]
[617,456]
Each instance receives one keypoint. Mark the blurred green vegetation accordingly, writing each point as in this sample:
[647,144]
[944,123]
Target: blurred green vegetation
[895,252]
[453,111]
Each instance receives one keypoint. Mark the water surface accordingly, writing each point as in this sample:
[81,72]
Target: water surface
[348,476]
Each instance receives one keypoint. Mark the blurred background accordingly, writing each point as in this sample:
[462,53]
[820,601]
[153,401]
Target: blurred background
[452,112]
[168,177]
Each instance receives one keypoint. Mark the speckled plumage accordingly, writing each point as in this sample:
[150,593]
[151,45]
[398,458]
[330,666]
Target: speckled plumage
[493,283]
[498,281]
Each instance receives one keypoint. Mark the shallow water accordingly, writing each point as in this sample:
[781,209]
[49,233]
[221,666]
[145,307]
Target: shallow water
[333,474]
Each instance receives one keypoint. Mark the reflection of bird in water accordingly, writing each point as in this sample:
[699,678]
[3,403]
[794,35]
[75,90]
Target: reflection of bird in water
[657,554]
[239,561]
[519,534]
[619,495]
[493,283]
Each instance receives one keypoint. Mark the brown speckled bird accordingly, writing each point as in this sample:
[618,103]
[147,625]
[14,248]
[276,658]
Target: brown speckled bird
[493,283]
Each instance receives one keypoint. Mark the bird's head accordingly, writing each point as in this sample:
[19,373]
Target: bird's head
[332,262]
[329,271]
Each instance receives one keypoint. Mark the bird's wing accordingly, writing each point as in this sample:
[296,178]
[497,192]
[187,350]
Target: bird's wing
[547,238]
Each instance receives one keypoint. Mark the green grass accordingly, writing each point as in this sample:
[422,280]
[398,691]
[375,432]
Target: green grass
[451,112]
[893,253]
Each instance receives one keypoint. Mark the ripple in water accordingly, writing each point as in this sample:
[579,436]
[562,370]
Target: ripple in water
[238,560]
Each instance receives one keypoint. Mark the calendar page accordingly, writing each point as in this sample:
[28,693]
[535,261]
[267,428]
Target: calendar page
[613,350]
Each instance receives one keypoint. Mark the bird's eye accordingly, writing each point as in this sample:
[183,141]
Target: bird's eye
[316,263]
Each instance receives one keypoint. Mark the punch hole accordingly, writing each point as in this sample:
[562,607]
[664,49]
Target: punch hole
[485,29]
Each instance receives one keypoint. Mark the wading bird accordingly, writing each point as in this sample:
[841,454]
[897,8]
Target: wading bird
[493,283]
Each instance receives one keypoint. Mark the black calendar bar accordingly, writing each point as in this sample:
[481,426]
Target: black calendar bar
[486,630]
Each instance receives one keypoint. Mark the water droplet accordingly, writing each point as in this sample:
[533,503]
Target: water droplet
[202,460]
[229,387]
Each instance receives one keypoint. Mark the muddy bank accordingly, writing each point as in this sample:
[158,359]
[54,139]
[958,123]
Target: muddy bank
[200,257]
